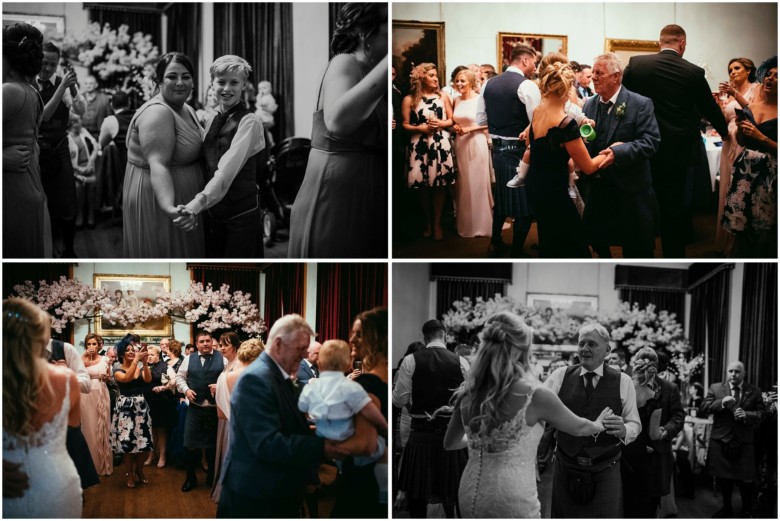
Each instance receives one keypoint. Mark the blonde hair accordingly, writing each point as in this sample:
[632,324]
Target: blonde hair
[556,80]
[415,84]
[334,356]
[553,57]
[25,331]
[470,77]
[230,63]
[250,350]
[502,358]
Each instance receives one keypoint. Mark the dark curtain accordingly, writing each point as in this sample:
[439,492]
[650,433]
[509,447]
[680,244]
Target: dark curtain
[262,35]
[17,273]
[709,320]
[664,300]
[285,291]
[145,21]
[243,279]
[450,290]
[758,337]
[343,291]
[333,16]
[184,32]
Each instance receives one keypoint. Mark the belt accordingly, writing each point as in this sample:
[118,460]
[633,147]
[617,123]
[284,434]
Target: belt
[590,464]
[506,142]
[425,425]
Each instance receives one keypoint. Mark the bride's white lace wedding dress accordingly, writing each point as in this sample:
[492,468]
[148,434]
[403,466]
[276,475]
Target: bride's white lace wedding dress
[55,486]
[500,478]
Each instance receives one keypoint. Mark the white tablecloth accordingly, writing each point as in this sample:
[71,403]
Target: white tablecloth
[713,156]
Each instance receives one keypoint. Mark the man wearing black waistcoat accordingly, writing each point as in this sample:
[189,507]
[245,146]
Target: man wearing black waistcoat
[426,382]
[506,105]
[196,378]
[60,97]
[586,477]
[681,97]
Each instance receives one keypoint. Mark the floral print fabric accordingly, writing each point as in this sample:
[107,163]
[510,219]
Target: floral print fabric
[430,155]
[131,429]
[751,204]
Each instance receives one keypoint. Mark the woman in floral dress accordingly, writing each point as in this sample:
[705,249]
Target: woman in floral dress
[131,430]
[427,115]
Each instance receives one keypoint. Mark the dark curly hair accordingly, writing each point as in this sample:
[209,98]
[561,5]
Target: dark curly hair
[23,48]
[167,59]
[356,23]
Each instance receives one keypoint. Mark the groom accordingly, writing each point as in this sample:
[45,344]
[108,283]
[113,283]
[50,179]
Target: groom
[586,476]
[622,208]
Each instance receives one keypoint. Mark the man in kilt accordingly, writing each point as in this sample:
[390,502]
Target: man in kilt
[506,105]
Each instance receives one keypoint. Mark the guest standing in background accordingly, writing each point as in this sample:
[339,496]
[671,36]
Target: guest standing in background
[83,156]
[341,208]
[426,116]
[26,220]
[114,130]
[164,169]
[160,397]
[97,106]
[472,191]
[95,412]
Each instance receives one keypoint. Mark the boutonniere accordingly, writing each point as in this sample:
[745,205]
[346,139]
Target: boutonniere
[620,111]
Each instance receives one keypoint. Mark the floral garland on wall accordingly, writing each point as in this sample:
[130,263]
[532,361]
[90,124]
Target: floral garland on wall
[70,300]
[631,327]
[118,59]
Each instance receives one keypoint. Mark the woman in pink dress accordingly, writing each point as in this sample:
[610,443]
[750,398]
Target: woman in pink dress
[474,199]
[95,419]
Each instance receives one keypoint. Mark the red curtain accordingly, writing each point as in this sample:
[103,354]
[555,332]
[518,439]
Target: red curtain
[246,279]
[285,291]
[343,291]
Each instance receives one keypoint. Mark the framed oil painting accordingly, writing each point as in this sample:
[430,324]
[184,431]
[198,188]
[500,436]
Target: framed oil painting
[132,291]
[415,43]
[625,49]
[572,305]
[49,26]
[544,43]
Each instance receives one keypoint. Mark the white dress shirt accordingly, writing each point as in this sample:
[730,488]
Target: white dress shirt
[75,364]
[402,393]
[627,397]
[528,93]
[77,105]
[248,141]
[613,99]
[181,376]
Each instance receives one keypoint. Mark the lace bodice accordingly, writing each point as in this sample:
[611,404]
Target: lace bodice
[55,489]
[500,478]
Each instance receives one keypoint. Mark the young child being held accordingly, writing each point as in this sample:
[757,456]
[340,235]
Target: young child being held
[333,400]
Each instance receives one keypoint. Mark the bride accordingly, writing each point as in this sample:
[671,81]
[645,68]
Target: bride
[40,401]
[498,413]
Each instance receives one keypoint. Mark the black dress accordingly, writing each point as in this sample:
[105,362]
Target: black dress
[560,229]
[161,405]
[358,496]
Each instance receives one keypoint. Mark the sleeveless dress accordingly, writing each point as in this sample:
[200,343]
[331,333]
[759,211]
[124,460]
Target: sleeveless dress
[474,198]
[500,477]
[27,229]
[55,489]
[148,233]
[561,232]
[222,399]
[430,155]
[96,419]
[751,203]
[341,208]
[131,429]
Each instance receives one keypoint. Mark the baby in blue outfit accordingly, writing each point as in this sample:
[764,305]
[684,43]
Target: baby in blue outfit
[333,400]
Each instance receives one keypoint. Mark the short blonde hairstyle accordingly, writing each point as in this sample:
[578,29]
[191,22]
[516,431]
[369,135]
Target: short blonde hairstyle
[334,356]
[556,80]
[470,77]
[250,350]
[230,63]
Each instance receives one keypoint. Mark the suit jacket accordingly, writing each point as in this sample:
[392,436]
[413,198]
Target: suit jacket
[725,427]
[305,373]
[273,454]
[680,93]
[672,416]
[638,130]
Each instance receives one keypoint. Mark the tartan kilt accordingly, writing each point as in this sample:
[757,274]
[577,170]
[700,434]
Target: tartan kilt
[510,202]
[430,472]
[607,500]
[735,462]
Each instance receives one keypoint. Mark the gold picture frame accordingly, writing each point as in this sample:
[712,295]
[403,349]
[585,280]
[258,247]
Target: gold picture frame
[133,290]
[625,49]
[418,42]
[543,43]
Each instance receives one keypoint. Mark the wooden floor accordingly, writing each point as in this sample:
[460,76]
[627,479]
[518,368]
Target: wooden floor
[105,241]
[408,245]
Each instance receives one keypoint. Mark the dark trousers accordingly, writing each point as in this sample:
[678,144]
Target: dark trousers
[745,490]
[192,460]
[59,185]
[418,509]
[240,237]
[235,505]
[670,168]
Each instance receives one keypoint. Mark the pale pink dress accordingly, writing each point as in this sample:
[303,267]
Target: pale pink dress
[95,419]
[474,199]
[729,152]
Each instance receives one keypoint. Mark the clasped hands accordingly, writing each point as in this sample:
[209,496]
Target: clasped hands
[730,403]
[612,423]
[183,218]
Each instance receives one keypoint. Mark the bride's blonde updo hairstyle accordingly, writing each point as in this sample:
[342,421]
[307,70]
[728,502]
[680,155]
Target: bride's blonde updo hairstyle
[415,81]
[555,80]
[501,360]
[26,331]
